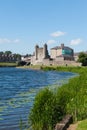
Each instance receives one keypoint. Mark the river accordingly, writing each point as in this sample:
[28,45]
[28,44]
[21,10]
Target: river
[18,88]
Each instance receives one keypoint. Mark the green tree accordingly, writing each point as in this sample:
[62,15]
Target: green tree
[1,52]
[18,57]
[8,52]
[83,58]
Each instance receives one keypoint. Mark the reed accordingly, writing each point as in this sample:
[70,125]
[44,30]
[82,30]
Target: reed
[71,98]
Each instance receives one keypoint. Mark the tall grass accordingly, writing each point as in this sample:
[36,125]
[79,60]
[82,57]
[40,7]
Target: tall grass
[71,98]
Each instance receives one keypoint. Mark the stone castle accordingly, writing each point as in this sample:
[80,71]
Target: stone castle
[41,53]
[60,55]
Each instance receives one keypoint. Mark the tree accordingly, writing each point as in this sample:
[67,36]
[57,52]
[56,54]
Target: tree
[8,52]
[83,58]
[18,57]
[1,52]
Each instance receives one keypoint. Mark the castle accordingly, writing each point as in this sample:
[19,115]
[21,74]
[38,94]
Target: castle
[60,55]
[41,53]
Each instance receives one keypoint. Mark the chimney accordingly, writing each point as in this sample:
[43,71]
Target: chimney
[62,45]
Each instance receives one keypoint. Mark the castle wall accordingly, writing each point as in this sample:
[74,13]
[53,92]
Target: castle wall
[59,52]
[40,54]
[55,53]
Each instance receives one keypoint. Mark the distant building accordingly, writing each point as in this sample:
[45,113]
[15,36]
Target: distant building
[26,58]
[9,58]
[76,56]
[62,53]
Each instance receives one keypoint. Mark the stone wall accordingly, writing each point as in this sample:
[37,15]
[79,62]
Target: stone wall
[64,124]
[55,52]
[55,62]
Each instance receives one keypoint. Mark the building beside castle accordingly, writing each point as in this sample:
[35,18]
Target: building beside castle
[62,53]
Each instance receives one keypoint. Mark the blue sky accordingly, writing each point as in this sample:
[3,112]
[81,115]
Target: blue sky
[25,23]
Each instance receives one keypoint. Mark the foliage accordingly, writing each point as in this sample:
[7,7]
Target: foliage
[21,63]
[46,111]
[71,98]
[1,52]
[21,124]
[17,56]
[83,58]
[8,52]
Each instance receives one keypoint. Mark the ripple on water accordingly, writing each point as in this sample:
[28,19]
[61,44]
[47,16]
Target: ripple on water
[18,88]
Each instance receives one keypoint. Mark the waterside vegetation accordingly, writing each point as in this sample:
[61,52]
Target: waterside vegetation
[51,106]
[8,64]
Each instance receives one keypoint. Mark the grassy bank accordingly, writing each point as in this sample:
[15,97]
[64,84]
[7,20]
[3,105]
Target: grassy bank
[82,125]
[71,98]
[34,67]
[7,64]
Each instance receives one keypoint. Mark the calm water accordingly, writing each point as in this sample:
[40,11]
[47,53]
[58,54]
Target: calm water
[18,88]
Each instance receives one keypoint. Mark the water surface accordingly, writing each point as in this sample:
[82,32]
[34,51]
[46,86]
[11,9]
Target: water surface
[18,88]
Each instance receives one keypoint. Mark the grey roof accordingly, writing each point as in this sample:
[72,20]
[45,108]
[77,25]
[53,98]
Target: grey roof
[59,47]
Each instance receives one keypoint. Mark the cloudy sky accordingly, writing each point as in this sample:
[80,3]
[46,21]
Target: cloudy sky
[25,23]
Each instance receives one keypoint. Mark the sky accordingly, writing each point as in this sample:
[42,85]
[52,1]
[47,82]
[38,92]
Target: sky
[25,23]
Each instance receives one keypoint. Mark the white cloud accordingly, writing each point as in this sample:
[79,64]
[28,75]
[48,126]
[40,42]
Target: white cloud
[51,42]
[16,41]
[75,41]
[57,34]
[5,40]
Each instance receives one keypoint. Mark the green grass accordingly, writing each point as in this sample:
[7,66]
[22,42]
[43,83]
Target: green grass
[70,98]
[7,64]
[36,67]
[82,125]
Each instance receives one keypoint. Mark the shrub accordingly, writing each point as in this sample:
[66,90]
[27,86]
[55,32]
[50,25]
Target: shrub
[45,112]
[21,63]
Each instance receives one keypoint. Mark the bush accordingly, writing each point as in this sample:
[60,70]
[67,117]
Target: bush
[21,63]
[45,112]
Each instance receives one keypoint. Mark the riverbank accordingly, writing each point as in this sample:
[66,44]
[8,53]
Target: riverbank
[70,98]
[34,67]
[80,125]
[8,64]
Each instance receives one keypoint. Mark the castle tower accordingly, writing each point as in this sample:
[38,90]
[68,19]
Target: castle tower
[45,51]
[62,45]
[36,52]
